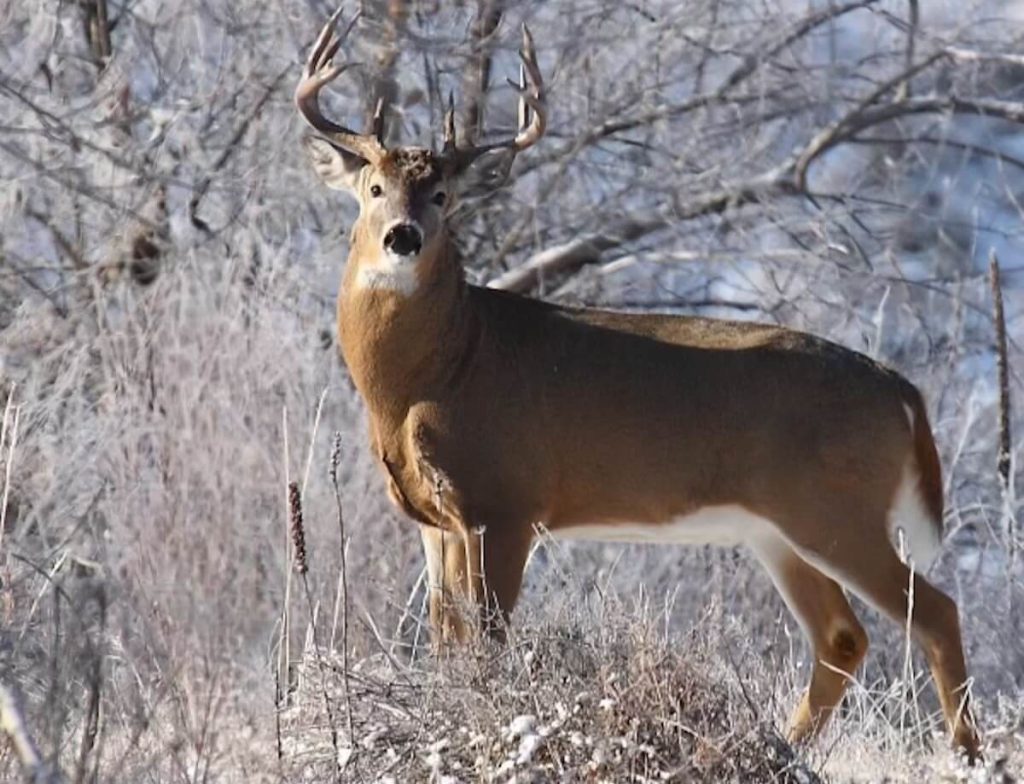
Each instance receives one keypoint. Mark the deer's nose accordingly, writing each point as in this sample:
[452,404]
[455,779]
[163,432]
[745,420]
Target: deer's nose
[403,240]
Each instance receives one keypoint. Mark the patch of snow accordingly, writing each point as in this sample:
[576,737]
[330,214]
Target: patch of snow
[521,725]
[527,748]
[433,761]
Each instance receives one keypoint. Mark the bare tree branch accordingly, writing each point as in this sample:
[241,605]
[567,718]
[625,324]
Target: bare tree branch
[741,73]
[67,182]
[973,56]
[953,144]
[571,256]
[229,150]
[62,131]
[869,116]
[478,73]
[787,179]
[383,86]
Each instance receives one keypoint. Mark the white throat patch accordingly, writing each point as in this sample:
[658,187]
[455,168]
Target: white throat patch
[392,273]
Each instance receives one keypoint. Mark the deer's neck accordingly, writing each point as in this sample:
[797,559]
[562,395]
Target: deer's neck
[402,347]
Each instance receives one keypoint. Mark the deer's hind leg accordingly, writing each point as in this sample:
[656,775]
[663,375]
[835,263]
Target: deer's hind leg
[886,582]
[837,638]
[860,554]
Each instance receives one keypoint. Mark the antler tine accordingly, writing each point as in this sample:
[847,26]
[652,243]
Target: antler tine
[532,115]
[320,52]
[524,107]
[319,71]
[378,121]
[533,97]
[449,126]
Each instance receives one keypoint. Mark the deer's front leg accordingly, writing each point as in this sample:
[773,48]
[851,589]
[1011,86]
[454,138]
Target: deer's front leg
[497,557]
[447,583]
[474,571]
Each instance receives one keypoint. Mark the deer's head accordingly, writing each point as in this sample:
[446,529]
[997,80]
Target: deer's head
[404,193]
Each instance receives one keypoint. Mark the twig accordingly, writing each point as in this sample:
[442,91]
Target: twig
[909,677]
[12,723]
[913,16]
[407,611]
[6,428]
[1003,455]
[63,243]
[867,117]
[53,126]
[277,715]
[371,627]
[312,438]
[953,144]
[1005,452]
[335,461]
[25,275]
[92,714]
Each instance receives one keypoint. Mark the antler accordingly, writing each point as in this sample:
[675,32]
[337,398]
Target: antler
[532,114]
[320,70]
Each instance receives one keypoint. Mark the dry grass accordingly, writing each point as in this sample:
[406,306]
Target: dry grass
[565,700]
[555,707]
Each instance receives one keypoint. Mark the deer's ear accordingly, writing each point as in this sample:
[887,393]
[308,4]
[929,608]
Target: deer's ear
[338,168]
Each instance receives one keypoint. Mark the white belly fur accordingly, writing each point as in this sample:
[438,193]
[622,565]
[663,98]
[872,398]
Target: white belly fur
[727,525]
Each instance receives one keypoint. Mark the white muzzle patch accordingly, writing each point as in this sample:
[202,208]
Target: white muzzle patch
[392,271]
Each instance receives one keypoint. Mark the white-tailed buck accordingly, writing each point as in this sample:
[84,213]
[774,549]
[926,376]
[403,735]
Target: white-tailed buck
[491,413]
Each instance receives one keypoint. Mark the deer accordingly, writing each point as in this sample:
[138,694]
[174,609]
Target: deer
[494,416]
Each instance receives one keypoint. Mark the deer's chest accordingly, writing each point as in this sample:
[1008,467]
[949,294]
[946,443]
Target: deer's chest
[444,469]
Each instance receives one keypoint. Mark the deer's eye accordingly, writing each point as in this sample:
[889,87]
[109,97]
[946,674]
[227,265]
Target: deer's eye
[376,191]
[439,198]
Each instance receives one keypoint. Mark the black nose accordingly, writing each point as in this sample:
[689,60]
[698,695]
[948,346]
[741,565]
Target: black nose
[403,239]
